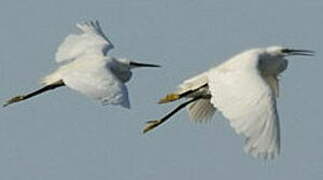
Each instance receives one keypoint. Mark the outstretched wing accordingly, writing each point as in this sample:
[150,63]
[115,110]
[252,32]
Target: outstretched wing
[244,97]
[90,40]
[98,83]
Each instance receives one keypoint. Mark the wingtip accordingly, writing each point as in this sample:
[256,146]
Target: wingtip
[87,26]
[261,154]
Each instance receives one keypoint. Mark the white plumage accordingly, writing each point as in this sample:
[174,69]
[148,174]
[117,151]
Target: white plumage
[91,75]
[244,89]
[91,40]
[200,110]
[248,102]
[86,68]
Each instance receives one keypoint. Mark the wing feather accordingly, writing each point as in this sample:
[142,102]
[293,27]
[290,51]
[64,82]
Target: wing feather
[90,40]
[201,110]
[273,82]
[97,82]
[249,103]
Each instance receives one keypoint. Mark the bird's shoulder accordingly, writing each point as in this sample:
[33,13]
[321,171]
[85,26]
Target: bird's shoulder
[246,61]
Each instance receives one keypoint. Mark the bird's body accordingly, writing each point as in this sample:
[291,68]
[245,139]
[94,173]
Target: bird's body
[244,89]
[241,91]
[94,77]
[86,68]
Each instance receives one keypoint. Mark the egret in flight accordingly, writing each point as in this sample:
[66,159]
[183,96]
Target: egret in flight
[244,89]
[86,68]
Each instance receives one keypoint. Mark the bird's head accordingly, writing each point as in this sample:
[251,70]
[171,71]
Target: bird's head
[278,51]
[128,64]
[272,60]
[122,67]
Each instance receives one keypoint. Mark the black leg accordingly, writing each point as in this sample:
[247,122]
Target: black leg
[174,96]
[35,93]
[152,124]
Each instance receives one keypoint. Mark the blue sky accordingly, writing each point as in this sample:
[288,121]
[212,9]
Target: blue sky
[63,135]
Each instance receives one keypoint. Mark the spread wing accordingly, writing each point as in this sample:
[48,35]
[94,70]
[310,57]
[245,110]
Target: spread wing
[249,103]
[98,83]
[90,40]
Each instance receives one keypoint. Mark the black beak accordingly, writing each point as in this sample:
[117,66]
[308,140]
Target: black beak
[135,64]
[301,52]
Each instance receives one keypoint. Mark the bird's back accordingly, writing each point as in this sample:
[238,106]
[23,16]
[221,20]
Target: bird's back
[241,62]
[79,64]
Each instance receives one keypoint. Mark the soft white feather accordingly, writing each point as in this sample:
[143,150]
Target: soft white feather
[248,102]
[92,76]
[273,82]
[88,70]
[91,40]
[201,110]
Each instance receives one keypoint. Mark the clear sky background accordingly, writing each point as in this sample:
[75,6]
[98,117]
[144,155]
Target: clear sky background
[64,135]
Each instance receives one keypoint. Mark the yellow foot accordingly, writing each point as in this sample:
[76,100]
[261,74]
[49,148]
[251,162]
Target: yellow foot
[151,125]
[169,98]
[13,100]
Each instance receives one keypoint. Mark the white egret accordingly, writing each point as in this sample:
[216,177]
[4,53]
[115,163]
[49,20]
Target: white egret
[86,68]
[244,89]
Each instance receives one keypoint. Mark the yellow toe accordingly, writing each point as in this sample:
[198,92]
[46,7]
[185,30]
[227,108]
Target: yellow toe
[169,98]
[151,125]
[14,100]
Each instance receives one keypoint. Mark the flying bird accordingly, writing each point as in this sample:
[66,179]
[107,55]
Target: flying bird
[86,68]
[244,89]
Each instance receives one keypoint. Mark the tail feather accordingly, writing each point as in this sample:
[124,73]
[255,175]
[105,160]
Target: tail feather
[50,79]
[201,110]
